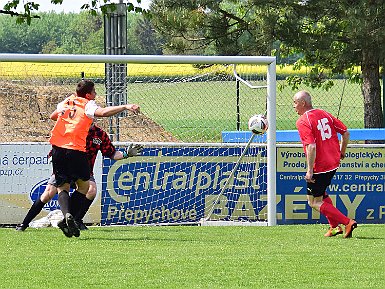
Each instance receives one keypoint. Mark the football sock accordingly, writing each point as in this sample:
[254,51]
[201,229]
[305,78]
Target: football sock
[35,209]
[333,213]
[63,200]
[333,223]
[85,205]
[76,200]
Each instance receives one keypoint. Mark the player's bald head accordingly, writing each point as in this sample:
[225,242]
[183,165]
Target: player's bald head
[304,96]
[302,102]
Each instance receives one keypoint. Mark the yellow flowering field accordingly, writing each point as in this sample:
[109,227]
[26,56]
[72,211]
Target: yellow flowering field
[30,69]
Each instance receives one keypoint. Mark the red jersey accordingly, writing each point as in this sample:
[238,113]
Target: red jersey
[98,140]
[320,127]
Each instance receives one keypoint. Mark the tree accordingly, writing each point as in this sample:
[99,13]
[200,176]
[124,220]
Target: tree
[84,35]
[30,8]
[209,27]
[333,36]
[336,36]
[73,33]
[21,38]
[79,33]
[150,42]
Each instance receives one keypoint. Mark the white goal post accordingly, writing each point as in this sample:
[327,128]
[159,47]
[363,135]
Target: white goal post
[186,170]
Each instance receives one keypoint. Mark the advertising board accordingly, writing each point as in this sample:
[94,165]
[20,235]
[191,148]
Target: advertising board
[24,172]
[358,188]
[171,185]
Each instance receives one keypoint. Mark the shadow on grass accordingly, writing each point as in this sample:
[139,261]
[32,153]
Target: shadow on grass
[369,238]
[122,229]
[135,239]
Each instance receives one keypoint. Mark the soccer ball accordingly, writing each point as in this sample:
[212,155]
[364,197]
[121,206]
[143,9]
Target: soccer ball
[258,124]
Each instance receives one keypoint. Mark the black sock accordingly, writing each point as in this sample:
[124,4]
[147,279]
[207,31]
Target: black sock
[35,209]
[64,199]
[76,200]
[85,205]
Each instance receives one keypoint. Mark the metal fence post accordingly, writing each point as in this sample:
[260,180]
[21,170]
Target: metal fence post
[383,99]
[115,43]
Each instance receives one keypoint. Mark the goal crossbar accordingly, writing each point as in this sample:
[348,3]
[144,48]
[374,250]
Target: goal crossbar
[159,59]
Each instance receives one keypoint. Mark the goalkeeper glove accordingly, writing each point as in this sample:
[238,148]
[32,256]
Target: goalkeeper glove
[132,151]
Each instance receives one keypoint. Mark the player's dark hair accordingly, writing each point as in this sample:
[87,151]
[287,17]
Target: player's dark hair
[84,87]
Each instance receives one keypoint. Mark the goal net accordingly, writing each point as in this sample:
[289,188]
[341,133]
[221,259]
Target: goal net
[189,172]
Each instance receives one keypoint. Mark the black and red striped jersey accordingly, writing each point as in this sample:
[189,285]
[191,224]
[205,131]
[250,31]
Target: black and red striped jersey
[98,140]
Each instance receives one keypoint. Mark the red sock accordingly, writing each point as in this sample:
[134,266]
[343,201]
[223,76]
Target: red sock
[333,213]
[332,222]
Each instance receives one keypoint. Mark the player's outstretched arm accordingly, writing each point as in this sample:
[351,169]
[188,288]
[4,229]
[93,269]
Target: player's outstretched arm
[54,115]
[112,110]
[132,151]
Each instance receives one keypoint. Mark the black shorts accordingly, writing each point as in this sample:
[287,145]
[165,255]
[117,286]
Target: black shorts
[322,181]
[69,165]
[52,181]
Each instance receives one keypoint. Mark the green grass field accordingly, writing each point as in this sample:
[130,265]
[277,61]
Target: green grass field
[293,256]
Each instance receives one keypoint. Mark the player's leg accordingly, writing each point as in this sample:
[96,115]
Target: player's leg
[85,203]
[316,191]
[62,172]
[63,201]
[49,192]
[325,198]
[335,229]
[332,212]
[316,203]
[63,198]
[80,172]
[75,202]
[62,162]
[80,203]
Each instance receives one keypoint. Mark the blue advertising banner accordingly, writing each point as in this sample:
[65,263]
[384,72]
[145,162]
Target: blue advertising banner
[179,185]
[174,184]
[357,190]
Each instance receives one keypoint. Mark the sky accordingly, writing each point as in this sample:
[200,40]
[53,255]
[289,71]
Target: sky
[68,5]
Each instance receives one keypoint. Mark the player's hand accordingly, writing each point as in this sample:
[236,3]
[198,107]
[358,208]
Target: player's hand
[133,150]
[133,107]
[309,177]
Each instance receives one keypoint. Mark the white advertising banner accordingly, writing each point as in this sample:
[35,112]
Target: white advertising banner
[24,172]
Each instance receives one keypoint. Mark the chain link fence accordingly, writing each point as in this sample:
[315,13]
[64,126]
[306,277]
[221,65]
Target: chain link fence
[179,103]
